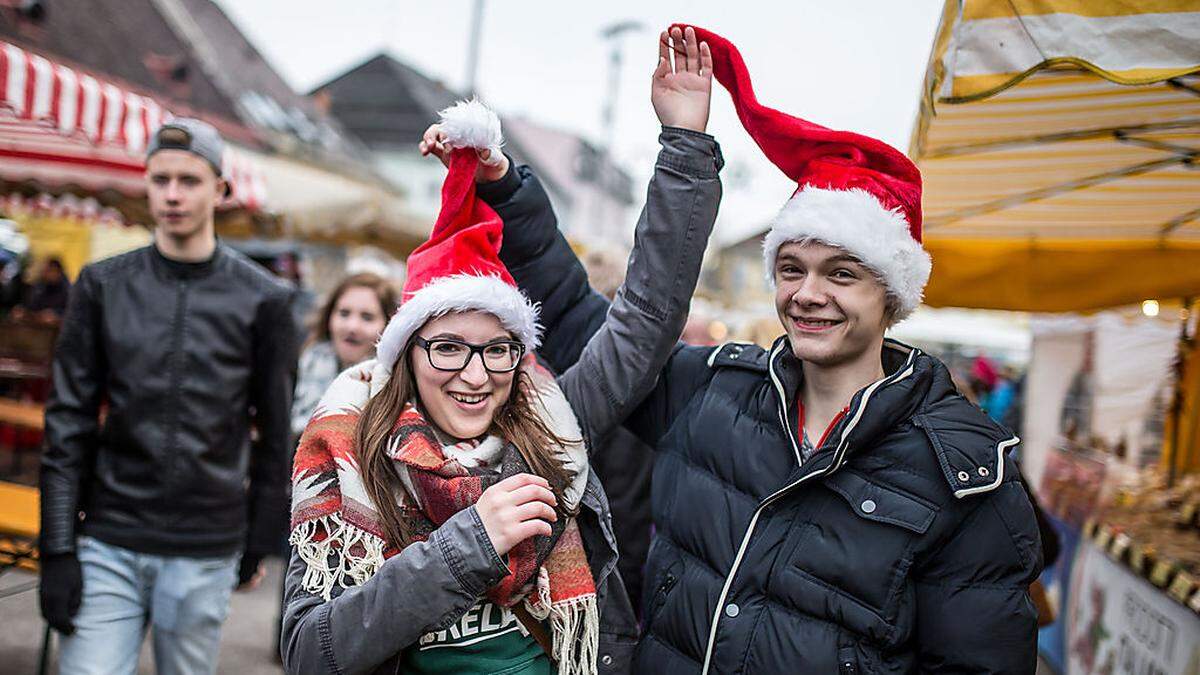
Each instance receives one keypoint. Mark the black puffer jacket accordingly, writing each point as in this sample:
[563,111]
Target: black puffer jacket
[182,353]
[905,544]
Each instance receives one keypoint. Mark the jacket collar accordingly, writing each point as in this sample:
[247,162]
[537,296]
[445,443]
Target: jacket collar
[874,410]
[185,270]
[970,447]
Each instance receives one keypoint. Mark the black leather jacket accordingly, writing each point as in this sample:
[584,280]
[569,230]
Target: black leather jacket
[187,356]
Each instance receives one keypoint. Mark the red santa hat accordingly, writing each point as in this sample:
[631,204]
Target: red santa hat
[459,268]
[854,192]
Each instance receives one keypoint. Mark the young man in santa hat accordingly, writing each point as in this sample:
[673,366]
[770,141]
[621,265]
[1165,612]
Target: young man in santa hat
[831,504]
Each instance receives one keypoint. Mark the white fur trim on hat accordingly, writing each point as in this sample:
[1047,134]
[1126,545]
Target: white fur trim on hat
[854,220]
[460,293]
[471,124]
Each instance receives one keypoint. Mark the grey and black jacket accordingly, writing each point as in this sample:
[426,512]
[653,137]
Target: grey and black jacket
[905,544]
[430,584]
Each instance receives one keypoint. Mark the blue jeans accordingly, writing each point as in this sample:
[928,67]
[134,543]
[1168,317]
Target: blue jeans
[124,593]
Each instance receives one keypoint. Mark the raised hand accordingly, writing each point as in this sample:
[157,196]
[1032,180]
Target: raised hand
[681,90]
[516,509]
[433,142]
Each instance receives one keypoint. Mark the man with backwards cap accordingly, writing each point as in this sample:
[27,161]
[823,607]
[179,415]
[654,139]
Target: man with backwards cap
[148,508]
[831,504]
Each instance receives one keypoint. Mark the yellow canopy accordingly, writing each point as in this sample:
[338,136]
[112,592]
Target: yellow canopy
[1058,140]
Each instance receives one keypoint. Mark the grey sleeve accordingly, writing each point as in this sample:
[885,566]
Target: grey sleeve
[621,363]
[424,588]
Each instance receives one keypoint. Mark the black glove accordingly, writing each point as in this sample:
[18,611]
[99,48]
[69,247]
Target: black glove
[248,567]
[61,590]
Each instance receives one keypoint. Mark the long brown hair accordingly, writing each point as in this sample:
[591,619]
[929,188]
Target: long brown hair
[516,422]
[383,289]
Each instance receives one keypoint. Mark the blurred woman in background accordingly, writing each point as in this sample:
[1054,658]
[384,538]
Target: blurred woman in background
[344,334]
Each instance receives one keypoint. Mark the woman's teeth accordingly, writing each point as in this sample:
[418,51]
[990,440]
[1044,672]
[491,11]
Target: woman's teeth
[818,323]
[468,398]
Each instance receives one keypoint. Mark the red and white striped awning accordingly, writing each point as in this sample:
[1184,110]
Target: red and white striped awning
[245,176]
[61,126]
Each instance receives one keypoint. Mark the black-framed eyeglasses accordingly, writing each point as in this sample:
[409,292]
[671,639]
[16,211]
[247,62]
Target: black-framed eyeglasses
[450,355]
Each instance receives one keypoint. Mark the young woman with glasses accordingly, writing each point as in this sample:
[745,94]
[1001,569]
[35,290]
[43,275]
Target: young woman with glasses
[444,517]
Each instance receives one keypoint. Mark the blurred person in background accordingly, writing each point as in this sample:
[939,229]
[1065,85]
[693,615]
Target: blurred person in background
[344,333]
[14,255]
[150,518]
[993,388]
[46,298]
[287,266]
[699,331]
[1002,397]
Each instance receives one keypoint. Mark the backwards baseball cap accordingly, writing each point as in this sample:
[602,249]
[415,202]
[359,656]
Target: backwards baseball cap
[190,135]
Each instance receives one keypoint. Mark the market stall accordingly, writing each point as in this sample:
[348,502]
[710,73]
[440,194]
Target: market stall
[65,130]
[1058,142]
[72,184]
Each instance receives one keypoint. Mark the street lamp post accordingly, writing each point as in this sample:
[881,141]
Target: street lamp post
[608,121]
[473,46]
[608,113]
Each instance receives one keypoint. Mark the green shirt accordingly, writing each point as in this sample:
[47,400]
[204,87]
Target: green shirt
[486,640]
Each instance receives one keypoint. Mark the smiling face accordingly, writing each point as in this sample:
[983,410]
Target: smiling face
[355,324]
[461,403]
[832,307]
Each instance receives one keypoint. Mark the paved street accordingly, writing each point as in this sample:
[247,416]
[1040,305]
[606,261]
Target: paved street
[247,644]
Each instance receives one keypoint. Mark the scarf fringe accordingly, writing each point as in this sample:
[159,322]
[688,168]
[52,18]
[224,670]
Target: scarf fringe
[575,625]
[320,576]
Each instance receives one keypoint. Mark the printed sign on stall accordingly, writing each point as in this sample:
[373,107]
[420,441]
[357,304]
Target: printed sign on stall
[1122,625]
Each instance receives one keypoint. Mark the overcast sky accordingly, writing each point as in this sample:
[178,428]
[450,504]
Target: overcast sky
[853,65]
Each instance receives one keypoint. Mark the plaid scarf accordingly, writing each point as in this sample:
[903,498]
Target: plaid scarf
[337,531]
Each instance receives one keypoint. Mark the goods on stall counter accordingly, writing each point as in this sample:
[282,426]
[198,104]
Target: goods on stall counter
[63,206]
[1189,513]
[1072,485]
[1152,530]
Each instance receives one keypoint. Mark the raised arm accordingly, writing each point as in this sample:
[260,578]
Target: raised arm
[544,266]
[622,361]
[634,340]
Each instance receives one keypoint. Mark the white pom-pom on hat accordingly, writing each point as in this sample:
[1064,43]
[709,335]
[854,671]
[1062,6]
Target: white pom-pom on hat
[471,124]
[458,269]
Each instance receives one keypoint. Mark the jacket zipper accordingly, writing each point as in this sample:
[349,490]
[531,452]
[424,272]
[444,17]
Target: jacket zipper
[838,457]
[787,428]
[847,661]
[660,595]
[174,460]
